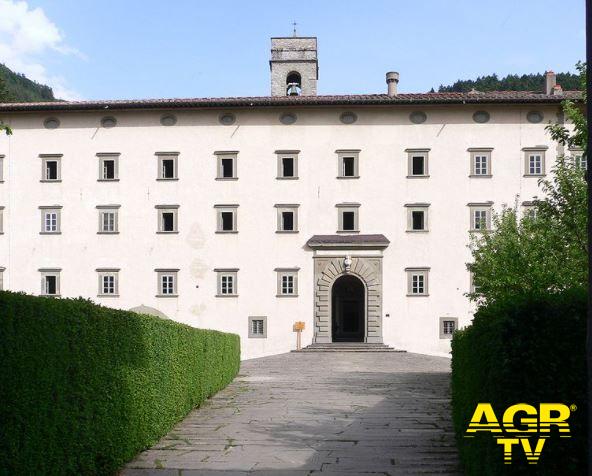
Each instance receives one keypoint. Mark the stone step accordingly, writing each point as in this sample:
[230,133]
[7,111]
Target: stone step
[348,347]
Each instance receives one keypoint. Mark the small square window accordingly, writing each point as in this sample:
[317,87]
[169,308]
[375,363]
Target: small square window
[108,167]
[226,165]
[534,162]
[287,282]
[227,282]
[167,218]
[257,327]
[417,162]
[108,282]
[348,217]
[480,162]
[480,217]
[50,282]
[448,325]
[287,218]
[167,282]
[108,218]
[167,165]
[50,220]
[417,216]
[417,281]
[287,164]
[227,218]
[348,161]
[51,170]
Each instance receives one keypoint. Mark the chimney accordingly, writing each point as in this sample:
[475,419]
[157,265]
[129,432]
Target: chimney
[557,90]
[550,82]
[392,79]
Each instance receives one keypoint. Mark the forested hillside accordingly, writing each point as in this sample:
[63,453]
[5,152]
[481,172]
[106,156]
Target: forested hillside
[511,82]
[15,87]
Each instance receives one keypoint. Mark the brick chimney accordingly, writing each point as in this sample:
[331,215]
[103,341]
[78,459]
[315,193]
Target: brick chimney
[392,79]
[550,82]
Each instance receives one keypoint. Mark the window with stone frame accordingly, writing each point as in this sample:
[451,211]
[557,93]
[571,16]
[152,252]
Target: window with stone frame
[417,281]
[50,281]
[417,216]
[108,167]
[108,282]
[348,217]
[448,325]
[227,282]
[480,216]
[287,218]
[287,164]
[480,162]
[50,219]
[226,218]
[348,161]
[166,282]
[167,218]
[108,219]
[227,165]
[167,165]
[417,163]
[51,167]
[287,282]
[257,327]
[534,161]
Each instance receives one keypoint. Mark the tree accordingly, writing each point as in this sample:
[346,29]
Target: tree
[547,250]
[4,96]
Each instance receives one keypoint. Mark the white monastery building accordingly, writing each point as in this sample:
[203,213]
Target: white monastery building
[349,213]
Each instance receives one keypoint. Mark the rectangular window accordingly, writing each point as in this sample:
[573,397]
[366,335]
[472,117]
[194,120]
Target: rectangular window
[226,165]
[108,218]
[51,168]
[167,218]
[257,327]
[108,282]
[534,161]
[2,278]
[348,161]
[108,166]
[287,218]
[287,282]
[473,287]
[448,325]
[417,216]
[480,162]
[1,168]
[348,217]
[417,281]
[167,282]
[1,220]
[50,282]
[226,218]
[227,282]
[480,216]
[167,165]
[417,163]
[578,156]
[287,164]
[50,219]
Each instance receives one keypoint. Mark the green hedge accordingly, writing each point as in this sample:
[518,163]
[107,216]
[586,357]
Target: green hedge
[523,350]
[84,388]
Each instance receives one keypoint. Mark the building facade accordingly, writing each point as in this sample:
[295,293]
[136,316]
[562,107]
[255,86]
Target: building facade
[349,213]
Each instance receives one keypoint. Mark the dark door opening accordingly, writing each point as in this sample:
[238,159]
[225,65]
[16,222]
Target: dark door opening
[347,306]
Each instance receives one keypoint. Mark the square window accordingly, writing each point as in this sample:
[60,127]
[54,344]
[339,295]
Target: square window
[50,282]
[480,217]
[50,220]
[417,281]
[227,282]
[227,218]
[108,282]
[51,168]
[167,166]
[348,163]
[167,282]
[534,162]
[417,162]
[287,282]
[257,327]
[108,166]
[348,217]
[167,218]
[226,165]
[448,325]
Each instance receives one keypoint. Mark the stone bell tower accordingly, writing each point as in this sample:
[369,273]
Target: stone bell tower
[294,66]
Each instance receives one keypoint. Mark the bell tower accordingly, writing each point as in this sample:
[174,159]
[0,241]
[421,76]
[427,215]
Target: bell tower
[294,66]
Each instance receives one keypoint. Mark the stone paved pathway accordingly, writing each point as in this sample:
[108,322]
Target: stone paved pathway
[304,414]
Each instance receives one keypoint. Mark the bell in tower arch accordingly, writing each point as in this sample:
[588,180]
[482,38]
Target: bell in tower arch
[293,84]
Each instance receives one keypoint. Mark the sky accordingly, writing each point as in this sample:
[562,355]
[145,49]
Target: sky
[119,49]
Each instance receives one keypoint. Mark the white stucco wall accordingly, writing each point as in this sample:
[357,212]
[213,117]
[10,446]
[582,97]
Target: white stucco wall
[382,134]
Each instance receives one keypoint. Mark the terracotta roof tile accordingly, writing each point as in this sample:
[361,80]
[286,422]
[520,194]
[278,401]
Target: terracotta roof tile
[497,97]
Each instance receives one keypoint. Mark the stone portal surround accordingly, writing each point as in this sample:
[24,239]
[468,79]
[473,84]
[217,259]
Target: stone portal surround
[369,270]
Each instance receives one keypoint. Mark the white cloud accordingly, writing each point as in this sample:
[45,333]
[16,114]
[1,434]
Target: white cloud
[26,34]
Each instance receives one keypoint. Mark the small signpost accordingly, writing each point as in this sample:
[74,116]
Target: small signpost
[298,328]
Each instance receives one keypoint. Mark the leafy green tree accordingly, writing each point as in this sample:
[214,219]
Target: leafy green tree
[546,250]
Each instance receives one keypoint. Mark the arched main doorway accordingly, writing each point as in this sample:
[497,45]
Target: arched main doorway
[348,309]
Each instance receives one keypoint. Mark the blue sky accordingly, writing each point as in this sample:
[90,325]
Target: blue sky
[141,49]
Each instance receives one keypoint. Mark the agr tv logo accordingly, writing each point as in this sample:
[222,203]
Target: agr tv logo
[522,426]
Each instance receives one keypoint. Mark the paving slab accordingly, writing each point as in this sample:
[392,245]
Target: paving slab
[302,414]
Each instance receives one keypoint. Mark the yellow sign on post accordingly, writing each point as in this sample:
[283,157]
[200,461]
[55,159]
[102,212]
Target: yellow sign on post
[298,328]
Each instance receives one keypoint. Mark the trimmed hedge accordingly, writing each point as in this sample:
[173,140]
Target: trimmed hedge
[523,350]
[84,387]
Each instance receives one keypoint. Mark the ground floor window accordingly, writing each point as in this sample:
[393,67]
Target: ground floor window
[257,326]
